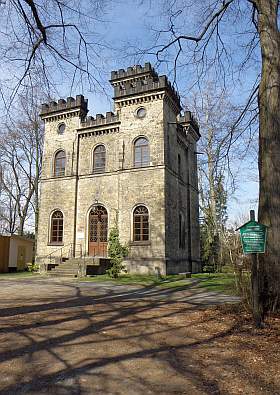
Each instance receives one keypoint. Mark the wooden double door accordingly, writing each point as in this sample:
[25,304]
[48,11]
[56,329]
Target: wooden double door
[98,231]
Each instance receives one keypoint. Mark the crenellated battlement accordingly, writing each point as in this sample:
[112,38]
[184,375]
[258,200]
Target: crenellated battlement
[143,86]
[100,120]
[80,103]
[139,80]
[128,84]
[132,72]
[188,118]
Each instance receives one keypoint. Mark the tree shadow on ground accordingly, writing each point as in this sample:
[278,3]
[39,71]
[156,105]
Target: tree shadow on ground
[111,340]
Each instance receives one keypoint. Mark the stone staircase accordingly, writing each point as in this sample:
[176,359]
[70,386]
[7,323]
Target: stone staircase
[69,267]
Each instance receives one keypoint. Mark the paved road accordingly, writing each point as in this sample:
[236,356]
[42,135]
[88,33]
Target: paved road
[188,293]
[68,337]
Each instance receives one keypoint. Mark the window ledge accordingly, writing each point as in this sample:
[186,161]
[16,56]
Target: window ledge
[56,244]
[98,173]
[140,243]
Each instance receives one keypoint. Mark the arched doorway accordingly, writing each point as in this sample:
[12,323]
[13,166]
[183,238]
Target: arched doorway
[98,230]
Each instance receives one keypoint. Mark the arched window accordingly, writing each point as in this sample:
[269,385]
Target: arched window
[57,228]
[61,128]
[141,152]
[140,224]
[59,163]
[99,159]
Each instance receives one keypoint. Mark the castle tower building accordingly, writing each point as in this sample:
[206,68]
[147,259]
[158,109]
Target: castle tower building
[135,169]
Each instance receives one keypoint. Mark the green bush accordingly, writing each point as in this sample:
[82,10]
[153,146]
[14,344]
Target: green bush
[32,267]
[117,253]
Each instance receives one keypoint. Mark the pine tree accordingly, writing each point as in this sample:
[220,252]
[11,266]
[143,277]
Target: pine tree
[117,252]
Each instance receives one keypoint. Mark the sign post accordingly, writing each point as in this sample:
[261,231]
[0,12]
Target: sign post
[253,238]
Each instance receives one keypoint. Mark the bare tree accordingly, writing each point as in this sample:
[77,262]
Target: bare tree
[215,115]
[219,170]
[38,37]
[21,157]
[8,203]
[208,43]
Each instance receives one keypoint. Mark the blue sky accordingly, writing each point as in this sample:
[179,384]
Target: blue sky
[127,24]
[130,25]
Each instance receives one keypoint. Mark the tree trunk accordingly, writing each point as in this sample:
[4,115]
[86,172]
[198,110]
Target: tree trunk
[269,149]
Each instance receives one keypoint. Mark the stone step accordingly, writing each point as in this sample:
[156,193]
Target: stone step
[88,260]
[73,266]
[61,274]
[70,267]
[66,270]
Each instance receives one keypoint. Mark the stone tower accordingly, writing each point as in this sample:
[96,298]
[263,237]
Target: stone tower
[135,169]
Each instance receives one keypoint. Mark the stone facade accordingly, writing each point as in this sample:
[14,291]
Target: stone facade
[166,185]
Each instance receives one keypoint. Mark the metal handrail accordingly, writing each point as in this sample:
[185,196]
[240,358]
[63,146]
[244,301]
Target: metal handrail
[58,249]
[71,252]
[77,252]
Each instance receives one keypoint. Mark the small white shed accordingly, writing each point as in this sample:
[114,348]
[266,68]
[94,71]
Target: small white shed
[15,253]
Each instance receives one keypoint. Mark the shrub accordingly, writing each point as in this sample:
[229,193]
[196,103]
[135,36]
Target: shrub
[117,253]
[32,267]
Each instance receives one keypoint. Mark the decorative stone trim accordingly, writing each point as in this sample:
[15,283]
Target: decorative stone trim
[139,243]
[99,132]
[147,85]
[59,117]
[139,100]
[52,178]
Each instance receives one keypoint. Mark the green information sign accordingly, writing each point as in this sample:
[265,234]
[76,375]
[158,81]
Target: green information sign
[253,237]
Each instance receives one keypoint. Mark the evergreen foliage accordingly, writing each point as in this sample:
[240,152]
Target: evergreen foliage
[117,253]
[213,227]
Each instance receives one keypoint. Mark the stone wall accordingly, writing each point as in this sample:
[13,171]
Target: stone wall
[54,142]
[181,193]
[58,193]
[119,194]
[121,187]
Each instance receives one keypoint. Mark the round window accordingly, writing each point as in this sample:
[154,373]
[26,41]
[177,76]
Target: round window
[61,128]
[141,112]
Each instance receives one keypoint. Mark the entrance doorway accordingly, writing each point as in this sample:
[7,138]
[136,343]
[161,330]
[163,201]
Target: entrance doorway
[98,230]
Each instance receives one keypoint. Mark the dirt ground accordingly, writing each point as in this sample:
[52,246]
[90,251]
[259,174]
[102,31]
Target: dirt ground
[64,337]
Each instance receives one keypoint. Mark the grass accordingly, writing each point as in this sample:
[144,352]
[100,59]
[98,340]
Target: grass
[141,279]
[216,282]
[16,275]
